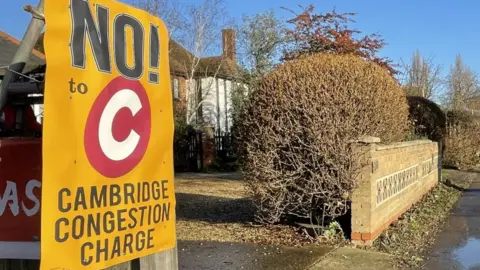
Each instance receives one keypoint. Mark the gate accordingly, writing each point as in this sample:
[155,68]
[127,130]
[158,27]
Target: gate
[188,153]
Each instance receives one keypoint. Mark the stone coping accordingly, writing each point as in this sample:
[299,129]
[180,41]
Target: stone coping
[402,145]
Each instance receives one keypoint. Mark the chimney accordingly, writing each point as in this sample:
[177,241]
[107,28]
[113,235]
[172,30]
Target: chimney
[229,48]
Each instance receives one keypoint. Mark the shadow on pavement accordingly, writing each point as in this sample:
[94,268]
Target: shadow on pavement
[237,176]
[213,209]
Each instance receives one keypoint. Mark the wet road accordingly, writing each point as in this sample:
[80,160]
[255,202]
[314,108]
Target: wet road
[458,245]
[195,255]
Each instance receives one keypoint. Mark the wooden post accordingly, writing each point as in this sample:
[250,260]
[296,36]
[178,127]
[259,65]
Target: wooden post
[165,260]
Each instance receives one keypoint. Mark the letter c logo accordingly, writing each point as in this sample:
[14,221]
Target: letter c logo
[118,128]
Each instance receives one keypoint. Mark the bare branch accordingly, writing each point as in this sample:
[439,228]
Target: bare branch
[462,86]
[421,76]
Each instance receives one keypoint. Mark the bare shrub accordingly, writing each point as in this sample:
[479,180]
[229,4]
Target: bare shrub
[462,143]
[298,129]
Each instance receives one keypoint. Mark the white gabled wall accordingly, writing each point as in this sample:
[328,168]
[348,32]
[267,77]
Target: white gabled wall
[228,107]
[216,102]
[209,100]
[221,102]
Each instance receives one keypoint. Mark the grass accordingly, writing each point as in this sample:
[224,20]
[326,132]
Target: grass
[414,232]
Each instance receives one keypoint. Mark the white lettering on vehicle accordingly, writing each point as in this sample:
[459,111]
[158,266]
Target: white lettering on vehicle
[9,197]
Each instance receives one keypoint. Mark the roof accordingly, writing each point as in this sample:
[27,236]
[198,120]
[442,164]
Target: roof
[219,65]
[180,59]
[8,47]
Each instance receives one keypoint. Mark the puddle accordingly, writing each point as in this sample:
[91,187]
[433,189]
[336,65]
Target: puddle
[468,255]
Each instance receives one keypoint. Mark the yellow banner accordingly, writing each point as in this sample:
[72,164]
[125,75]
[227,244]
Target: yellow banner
[108,192]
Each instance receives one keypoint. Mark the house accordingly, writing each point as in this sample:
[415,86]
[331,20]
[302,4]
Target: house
[202,95]
[202,87]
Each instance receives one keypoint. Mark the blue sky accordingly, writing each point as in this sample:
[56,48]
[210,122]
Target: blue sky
[439,29]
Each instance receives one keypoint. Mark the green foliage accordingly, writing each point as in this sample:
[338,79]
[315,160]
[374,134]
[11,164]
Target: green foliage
[297,132]
[427,119]
[182,129]
[333,230]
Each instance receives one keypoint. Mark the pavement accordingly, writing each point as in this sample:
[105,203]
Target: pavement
[458,245]
[354,259]
[215,255]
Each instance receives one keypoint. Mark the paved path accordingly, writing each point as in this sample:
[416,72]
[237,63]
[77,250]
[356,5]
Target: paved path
[355,259]
[196,255]
[458,245]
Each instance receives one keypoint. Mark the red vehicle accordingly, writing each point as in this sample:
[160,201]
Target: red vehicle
[21,149]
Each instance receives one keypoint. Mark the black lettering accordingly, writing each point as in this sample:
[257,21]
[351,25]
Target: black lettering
[121,220]
[72,86]
[108,224]
[156,194]
[121,23]
[149,218]
[80,199]
[116,248]
[78,227]
[142,213]
[82,88]
[86,260]
[129,190]
[115,198]
[140,241]
[132,216]
[64,192]
[58,238]
[157,213]
[150,238]
[139,192]
[93,224]
[145,191]
[128,244]
[83,25]
[166,212]
[153,76]
[164,189]
[101,250]
[98,200]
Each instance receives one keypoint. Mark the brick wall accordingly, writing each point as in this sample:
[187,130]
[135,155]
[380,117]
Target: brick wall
[395,177]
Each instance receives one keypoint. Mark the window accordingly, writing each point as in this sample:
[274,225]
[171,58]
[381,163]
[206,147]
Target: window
[175,88]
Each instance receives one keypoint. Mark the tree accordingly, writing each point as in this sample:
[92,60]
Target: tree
[421,76]
[329,33]
[196,29]
[201,36]
[462,85]
[170,11]
[261,37]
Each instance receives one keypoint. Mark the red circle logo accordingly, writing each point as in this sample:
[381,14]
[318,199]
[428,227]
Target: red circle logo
[118,128]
